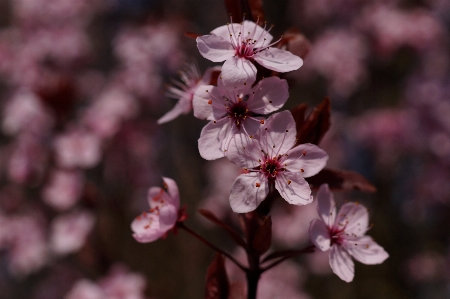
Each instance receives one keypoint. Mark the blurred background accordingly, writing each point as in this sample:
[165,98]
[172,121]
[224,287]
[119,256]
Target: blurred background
[82,84]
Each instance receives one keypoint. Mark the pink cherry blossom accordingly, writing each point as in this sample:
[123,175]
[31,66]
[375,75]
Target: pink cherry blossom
[184,91]
[162,216]
[240,45]
[231,112]
[343,234]
[271,160]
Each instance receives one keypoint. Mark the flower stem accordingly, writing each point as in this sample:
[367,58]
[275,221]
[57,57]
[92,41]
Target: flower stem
[294,253]
[212,246]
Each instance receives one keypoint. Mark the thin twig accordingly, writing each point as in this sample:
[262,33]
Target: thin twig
[305,250]
[212,246]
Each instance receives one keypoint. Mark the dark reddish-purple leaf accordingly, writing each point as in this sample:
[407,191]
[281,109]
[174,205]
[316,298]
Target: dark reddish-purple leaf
[256,7]
[263,237]
[234,8]
[237,290]
[192,35]
[341,180]
[295,42]
[250,223]
[233,234]
[316,124]
[217,285]
[299,113]
[253,9]
[214,78]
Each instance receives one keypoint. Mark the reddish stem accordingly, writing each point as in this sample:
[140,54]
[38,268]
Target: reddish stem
[212,246]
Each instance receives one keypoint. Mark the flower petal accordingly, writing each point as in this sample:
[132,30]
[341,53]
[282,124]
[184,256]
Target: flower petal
[183,106]
[156,196]
[172,190]
[326,206]
[208,102]
[257,33]
[270,94]
[237,72]
[341,263]
[248,30]
[145,228]
[278,134]
[307,158]
[319,234]
[366,250]
[278,60]
[293,188]
[168,216]
[243,151]
[214,48]
[354,217]
[247,192]
[214,139]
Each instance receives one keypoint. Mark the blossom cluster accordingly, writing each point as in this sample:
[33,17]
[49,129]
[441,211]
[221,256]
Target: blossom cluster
[266,149]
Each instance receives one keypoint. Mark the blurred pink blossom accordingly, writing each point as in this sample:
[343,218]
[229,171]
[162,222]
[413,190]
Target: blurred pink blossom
[394,28]
[339,55]
[290,223]
[68,232]
[122,284]
[118,284]
[85,289]
[25,112]
[426,266]
[26,243]
[55,12]
[28,160]
[77,149]
[221,174]
[63,189]
[106,114]
[146,45]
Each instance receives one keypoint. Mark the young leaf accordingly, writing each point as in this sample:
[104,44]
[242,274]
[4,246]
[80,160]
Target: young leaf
[295,42]
[192,35]
[253,9]
[233,234]
[316,124]
[263,237]
[257,10]
[341,180]
[217,285]
[299,113]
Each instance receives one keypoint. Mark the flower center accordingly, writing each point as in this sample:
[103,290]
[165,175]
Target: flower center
[270,167]
[238,112]
[336,235]
[245,50]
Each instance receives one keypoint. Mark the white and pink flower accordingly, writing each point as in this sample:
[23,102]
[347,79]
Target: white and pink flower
[272,160]
[162,216]
[240,45]
[191,80]
[232,112]
[343,233]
